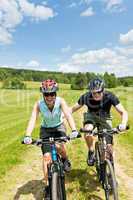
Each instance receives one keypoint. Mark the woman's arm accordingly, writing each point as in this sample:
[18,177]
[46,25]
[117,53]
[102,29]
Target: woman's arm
[33,118]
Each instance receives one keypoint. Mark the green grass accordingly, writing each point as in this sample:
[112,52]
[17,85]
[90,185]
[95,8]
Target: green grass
[15,109]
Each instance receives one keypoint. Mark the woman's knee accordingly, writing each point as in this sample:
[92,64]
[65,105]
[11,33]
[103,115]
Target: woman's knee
[61,148]
[47,158]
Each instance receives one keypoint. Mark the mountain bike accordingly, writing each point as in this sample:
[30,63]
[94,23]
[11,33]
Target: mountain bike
[56,173]
[104,162]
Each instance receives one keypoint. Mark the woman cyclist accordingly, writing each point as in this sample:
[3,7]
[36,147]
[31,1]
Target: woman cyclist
[51,108]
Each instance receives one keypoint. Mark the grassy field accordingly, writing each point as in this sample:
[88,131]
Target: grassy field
[15,109]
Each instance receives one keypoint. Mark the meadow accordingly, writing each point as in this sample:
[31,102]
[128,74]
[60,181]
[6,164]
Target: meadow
[15,109]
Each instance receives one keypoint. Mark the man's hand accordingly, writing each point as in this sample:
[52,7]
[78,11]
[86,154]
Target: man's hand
[27,140]
[122,127]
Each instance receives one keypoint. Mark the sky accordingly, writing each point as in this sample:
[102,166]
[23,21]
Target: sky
[67,35]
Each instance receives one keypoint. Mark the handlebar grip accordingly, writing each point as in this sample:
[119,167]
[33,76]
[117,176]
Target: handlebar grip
[79,135]
[33,142]
[83,130]
[127,127]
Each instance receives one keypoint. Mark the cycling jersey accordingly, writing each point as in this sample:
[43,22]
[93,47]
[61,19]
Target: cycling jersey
[101,107]
[52,118]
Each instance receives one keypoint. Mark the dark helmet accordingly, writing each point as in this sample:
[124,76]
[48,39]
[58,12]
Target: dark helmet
[97,85]
[49,86]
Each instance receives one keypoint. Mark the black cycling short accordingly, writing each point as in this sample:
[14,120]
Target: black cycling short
[51,132]
[109,139]
[101,123]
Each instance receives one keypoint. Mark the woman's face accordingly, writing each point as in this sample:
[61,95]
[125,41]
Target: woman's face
[49,98]
[97,96]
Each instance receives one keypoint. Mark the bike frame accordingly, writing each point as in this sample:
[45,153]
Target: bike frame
[103,147]
[56,166]
[104,162]
[56,173]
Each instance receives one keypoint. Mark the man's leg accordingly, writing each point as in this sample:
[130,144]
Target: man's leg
[90,141]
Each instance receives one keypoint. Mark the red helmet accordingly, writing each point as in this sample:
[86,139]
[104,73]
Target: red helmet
[49,86]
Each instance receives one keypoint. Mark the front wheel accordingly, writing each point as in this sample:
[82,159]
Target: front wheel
[97,161]
[109,183]
[58,187]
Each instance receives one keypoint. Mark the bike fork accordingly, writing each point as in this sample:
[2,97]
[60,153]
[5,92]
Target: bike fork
[102,172]
[50,182]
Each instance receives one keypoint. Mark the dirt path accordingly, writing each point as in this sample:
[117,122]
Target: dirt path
[24,182]
[125,181]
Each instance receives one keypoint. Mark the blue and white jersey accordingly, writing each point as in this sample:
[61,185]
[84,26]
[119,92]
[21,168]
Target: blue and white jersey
[52,118]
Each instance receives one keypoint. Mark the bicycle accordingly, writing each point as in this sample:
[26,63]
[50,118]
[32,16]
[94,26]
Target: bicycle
[56,173]
[104,162]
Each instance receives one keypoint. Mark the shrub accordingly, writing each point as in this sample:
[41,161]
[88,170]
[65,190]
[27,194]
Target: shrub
[80,82]
[13,83]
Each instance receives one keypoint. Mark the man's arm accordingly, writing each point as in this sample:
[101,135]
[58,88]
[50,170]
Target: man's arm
[75,107]
[124,115]
[68,114]
[34,116]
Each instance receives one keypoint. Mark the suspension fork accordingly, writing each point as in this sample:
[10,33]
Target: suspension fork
[109,154]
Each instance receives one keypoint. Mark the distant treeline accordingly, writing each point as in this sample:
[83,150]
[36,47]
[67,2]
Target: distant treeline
[77,80]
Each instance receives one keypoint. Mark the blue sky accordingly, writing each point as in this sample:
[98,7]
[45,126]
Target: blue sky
[67,35]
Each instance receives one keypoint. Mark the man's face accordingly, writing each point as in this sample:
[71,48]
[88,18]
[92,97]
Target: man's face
[97,95]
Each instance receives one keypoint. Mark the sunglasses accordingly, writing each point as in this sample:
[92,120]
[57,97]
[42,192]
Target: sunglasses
[99,92]
[52,94]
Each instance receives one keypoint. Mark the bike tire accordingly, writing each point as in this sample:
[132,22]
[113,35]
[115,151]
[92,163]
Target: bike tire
[58,187]
[97,161]
[110,184]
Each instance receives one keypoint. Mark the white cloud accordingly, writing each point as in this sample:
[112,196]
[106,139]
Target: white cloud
[33,64]
[12,13]
[81,49]
[10,17]
[88,12]
[68,67]
[127,38]
[112,60]
[38,12]
[5,36]
[66,49]
[73,4]
[44,3]
[114,5]
[127,51]
[87,2]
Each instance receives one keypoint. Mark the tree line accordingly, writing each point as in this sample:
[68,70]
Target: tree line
[14,78]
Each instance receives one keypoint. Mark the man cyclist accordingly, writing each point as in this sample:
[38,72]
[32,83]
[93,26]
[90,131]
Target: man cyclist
[99,102]
[51,108]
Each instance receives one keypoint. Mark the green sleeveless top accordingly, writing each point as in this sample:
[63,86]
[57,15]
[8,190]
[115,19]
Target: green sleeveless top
[51,119]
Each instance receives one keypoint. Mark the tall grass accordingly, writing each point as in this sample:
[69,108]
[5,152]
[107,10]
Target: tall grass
[15,109]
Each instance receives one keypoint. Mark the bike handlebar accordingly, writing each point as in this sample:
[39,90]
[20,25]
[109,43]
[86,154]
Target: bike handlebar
[51,140]
[105,131]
